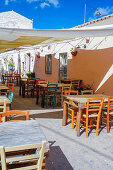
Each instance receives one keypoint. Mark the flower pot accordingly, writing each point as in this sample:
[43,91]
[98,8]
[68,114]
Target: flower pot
[10,67]
[74,53]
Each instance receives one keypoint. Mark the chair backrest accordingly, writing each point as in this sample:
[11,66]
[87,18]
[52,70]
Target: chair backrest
[31,83]
[52,82]
[51,91]
[11,86]
[66,87]
[16,75]
[86,92]
[41,81]
[71,92]
[10,96]
[110,104]
[7,114]
[75,83]
[51,88]
[19,161]
[36,78]
[2,109]
[94,105]
[17,78]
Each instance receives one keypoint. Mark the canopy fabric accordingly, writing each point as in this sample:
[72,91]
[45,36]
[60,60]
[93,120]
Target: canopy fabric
[11,38]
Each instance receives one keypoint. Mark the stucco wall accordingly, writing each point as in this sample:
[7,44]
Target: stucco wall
[12,19]
[91,66]
[107,21]
[40,69]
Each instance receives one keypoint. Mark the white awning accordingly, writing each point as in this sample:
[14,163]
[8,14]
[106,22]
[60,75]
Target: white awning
[11,38]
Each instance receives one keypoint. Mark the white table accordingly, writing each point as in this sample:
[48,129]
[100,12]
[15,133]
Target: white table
[21,133]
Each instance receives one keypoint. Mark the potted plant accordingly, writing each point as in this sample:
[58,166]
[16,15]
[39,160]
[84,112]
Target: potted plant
[84,87]
[74,51]
[31,74]
[11,66]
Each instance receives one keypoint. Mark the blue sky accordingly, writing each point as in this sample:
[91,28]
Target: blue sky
[56,14]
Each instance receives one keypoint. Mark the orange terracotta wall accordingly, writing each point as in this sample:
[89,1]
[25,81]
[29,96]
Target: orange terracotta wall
[91,67]
[40,69]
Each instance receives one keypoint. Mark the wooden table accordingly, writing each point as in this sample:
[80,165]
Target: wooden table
[21,133]
[22,87]
[4,89]
[44,88]
[80,103]
[8,78]
[8,102]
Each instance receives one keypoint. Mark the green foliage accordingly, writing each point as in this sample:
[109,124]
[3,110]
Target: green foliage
[11,64]
[71,49]
[30,74]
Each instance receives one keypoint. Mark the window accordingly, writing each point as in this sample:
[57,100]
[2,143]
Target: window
[48,64]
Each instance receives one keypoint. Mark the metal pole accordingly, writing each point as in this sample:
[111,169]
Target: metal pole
[85,14]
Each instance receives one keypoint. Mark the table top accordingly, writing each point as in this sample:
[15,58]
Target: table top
[21,133]
[59,85]
[2,98]
[83,98]
[2,87]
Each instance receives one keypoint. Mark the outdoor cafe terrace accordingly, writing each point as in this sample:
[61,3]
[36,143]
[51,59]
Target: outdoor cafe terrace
[62,124]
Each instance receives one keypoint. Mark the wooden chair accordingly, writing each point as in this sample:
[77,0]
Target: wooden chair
[42,82]
[2,109]
[30,87]
[93,113]
[75,83]
[50,95]
[52,82]
[86,92]
[17,79]
[108,113]
[9,115]
[64,88]
[72,108]
[17,161]
[71,92]
[11,87]
[10,97]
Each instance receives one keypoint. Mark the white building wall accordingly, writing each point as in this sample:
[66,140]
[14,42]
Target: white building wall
[12,19]
[108,21]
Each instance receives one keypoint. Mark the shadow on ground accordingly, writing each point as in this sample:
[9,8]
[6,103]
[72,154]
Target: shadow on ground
[57,160]
[50,115]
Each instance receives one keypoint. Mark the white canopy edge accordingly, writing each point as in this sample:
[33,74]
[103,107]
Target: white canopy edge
[12,34]
[106,77]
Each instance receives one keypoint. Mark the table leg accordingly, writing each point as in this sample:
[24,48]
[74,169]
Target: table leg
[23,90]
[37,94]
[65,114]
[20,89]
[43,99]
[79,118]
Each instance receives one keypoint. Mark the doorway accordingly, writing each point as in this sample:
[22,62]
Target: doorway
[62,65]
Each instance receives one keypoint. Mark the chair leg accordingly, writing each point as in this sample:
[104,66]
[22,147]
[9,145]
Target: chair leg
[72,119]
[76,122]
[86,127]
[97,127]
[90,122]
[47,103]
[11,106]
[107,122]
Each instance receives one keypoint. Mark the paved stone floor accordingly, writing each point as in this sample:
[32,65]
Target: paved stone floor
[67,151]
